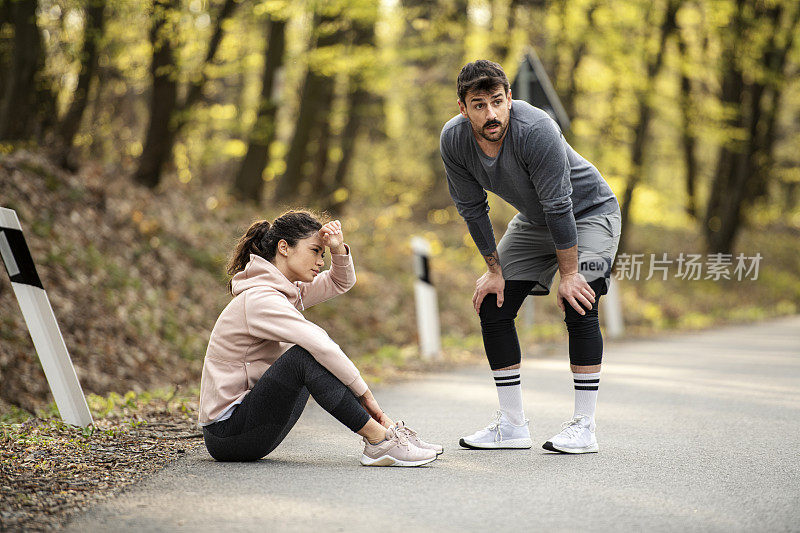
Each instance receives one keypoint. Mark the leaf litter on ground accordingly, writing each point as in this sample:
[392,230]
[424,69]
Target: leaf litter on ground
[50,471]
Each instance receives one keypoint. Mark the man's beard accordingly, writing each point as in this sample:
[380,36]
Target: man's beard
[492,137]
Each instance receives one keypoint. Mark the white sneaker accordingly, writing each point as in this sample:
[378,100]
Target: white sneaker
[499,434]
[577,436]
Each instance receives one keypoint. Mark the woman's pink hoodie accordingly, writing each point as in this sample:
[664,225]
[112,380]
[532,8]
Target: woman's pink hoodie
[261,322]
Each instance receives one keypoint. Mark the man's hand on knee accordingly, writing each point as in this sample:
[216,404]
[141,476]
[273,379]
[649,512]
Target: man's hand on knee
[576,291]
[489,283]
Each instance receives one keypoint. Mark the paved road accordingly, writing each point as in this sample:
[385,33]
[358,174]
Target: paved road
[696,432]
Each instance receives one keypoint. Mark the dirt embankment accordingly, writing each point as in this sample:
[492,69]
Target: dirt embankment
[118,279]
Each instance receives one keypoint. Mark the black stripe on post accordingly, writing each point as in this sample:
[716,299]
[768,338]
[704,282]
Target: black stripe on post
[19,265]
[426,276]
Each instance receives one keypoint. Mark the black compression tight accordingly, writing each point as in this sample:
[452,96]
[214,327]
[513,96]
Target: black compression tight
[500,336]
[585,339]
[272,407]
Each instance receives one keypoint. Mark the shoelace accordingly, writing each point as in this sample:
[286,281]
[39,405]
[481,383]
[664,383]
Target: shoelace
[495,426]
[572,428]
[400,436]
[407,431]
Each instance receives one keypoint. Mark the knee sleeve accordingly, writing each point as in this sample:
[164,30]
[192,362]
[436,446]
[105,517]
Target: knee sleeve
[497,324]
[585,339]
[495,318]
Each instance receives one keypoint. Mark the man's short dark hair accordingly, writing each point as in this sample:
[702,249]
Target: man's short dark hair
[481,76]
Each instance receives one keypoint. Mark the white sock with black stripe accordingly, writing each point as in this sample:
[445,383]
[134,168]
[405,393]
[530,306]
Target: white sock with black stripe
[509,392]
[586,386]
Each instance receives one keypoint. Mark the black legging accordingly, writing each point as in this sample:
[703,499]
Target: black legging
[500,336]
[272,407]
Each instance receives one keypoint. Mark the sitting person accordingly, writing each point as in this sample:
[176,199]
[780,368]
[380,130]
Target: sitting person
[264,358]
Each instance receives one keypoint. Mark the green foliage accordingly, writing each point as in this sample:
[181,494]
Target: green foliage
[115,405]
[103,406]
[50,411]
[14,415]
[596,54]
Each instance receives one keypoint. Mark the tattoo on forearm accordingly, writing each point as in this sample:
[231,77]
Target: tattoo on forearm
[493,259]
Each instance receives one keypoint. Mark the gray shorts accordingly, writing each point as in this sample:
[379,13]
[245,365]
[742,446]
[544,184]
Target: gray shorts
[527,251]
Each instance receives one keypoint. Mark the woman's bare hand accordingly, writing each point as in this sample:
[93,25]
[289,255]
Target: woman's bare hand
[332,237]
[370,404]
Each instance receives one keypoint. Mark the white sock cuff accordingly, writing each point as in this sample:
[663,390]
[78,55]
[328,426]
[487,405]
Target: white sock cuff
[586,379]
[505,373]
[506,378]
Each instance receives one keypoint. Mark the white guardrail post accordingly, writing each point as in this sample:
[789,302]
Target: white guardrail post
[612,311]
[426,303]
[41,322]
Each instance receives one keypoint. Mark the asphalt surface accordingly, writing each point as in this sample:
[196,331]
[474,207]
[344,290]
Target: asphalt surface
[696,431]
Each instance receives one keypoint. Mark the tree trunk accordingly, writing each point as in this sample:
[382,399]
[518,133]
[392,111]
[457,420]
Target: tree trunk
[195,90]
[313,121]
[168,115]
[359,104]
[249,183]
[570,93]
[640,141]
[314,87]
[503,25]
[19,107]
[322,145]
[687,131]
[790,197]
[437,48]
[744,166]
[731,96]
[163,97]
[776,60]
[356,105]
[6,44]
[69,124]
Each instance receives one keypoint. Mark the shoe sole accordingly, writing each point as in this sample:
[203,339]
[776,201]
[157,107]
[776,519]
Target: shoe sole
[593,448]
[387,460]
[511,444]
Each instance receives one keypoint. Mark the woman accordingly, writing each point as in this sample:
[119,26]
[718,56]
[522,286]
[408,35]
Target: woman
[264,357]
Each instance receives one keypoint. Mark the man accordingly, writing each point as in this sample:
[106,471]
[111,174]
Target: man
[566,211]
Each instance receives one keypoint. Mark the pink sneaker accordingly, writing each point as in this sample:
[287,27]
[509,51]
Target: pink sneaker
[396,450]
[412,437]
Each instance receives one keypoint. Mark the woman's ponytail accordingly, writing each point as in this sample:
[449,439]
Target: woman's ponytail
[249,243]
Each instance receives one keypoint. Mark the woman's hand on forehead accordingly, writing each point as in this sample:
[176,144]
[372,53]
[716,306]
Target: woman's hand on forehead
[331,234]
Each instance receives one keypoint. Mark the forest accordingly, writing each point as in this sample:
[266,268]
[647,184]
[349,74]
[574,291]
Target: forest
[139,138]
